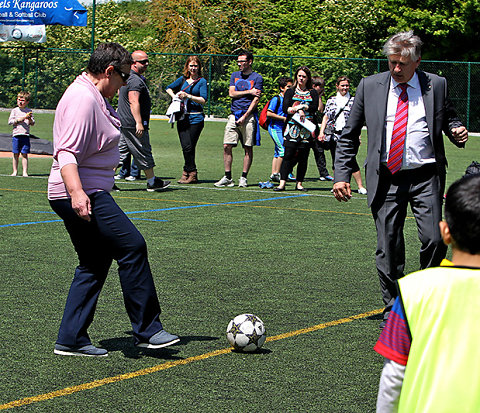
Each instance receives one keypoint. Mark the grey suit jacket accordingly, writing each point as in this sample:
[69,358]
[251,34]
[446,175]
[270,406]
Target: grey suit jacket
[370,107]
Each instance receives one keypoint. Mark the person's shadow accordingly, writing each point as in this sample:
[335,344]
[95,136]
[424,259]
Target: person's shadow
[129,350]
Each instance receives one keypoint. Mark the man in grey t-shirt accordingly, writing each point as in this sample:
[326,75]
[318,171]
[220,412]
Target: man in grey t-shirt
[134,105]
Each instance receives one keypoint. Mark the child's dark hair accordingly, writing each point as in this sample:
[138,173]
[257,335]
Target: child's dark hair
[25,95]
[462,213]
[284,81]
[318,81]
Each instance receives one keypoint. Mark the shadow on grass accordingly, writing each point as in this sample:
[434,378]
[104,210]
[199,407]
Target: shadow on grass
[260,351]
[375,317]
[126,346]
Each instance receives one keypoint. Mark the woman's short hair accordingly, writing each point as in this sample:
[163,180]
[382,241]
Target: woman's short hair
[107,54]
[342,79]
[196,59]
[309,76]
[405,44]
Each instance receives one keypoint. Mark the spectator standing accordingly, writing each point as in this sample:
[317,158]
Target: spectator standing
[336,115]
[21,118]
[301,105]
[242,125]
[276,125]
[191,88]
[318,149]
[134,107]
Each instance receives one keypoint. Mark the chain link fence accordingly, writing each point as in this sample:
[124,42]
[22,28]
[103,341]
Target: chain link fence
[46,73]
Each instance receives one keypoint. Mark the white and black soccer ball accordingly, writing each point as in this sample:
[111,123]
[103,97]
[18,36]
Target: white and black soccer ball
[246,332]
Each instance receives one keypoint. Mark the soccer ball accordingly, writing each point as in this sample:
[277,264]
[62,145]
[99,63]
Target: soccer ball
[246,332]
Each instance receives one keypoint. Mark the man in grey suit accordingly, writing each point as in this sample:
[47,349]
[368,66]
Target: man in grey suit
[405,111]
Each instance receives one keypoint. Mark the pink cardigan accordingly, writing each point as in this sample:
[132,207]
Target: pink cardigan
[86,133]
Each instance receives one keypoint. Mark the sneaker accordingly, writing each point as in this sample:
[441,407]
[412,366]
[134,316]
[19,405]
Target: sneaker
[362,191]
[275,177]
[85,351]
[118,176]
[291,178]
[158,185]
[326,178]
[242,182]
[130,178]
[115,188]
[224,182]
[159,340]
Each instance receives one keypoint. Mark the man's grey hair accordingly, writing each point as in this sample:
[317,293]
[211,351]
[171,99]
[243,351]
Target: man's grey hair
[405,44]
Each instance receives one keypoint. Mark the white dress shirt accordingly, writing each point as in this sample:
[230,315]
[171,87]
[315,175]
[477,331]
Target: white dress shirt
[418,149]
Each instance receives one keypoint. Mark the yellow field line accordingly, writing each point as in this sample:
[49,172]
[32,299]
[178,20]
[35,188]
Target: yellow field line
[97,383]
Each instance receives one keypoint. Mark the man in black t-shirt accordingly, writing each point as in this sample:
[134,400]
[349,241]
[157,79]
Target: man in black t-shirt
[134,105]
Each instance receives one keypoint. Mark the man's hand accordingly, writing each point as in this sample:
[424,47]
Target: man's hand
[241,120]
[255,92]
[342,191]
[460,134]
[139,129]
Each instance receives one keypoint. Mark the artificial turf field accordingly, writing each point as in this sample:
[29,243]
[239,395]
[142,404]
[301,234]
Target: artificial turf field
[304,263]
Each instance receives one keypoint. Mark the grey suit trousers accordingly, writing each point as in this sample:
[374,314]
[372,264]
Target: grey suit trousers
[423,190]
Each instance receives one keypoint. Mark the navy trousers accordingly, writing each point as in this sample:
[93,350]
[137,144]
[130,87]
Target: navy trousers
[109,236]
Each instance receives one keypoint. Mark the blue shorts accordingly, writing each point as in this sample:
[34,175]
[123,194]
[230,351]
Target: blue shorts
[277,136]
[21,144]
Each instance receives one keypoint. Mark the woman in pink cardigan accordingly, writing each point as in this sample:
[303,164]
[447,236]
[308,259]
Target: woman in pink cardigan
[85,138]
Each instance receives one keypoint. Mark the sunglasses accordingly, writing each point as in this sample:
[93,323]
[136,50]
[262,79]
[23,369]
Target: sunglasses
[123,75]
[142,61]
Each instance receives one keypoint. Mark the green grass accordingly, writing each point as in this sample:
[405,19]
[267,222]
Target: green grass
[296,262]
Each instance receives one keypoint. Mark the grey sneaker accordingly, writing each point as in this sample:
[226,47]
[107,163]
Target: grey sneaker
[242,182]
[224,182]
[85,351]
[159,340]
[158,185]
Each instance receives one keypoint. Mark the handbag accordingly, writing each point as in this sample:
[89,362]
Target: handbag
[330,129]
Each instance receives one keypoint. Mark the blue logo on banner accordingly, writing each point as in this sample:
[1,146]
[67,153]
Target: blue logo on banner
[33,12]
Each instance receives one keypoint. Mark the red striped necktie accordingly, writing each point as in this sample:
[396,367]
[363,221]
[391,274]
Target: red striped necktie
[395,155]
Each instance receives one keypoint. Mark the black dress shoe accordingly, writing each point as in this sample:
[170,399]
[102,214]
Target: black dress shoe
[278,189]
[301,189]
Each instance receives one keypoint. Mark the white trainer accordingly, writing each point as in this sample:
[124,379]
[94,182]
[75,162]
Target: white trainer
[362,191]
[224,182]
[242,182]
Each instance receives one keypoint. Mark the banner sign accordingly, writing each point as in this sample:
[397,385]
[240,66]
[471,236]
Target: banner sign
[34,13]
[23,33]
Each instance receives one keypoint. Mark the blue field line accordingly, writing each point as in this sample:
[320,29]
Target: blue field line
[159,210]
[30,223]
[215,204]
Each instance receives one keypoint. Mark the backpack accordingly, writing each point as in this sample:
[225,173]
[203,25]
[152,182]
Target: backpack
[473,169]
[263,120]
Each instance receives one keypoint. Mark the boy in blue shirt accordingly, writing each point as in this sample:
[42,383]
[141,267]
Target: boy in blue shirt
[275,127]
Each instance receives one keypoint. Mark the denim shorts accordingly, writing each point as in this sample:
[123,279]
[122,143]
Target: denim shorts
[21,144]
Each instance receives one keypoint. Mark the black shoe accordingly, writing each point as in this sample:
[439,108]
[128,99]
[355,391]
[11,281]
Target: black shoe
[158,185]
[278,189]
[303,189]
[115,188]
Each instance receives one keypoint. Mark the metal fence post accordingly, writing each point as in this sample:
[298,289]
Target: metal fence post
[209,84]
[469,66]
